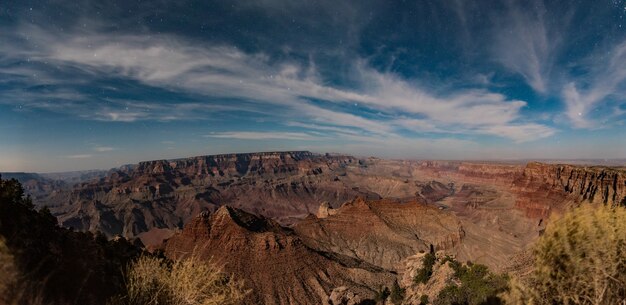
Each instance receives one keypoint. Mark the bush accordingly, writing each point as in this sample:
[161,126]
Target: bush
[397,293]
[156,281]
[382,294]
[580,259]
[424,299]
[424,273]
[477,286]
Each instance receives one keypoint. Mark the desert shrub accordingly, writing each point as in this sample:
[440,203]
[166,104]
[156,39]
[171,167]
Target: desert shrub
[424,299]
[382,294]
[423,274]
[397,293]
[580,259]
[477,286]
[157,281]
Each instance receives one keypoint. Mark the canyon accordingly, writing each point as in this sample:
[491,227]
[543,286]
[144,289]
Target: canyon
[299,227]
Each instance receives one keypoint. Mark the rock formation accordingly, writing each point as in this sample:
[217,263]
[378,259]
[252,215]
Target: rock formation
[274,262]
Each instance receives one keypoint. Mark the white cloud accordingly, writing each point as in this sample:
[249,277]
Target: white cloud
[226,72]
[254,135]
[103,148]
[79,156]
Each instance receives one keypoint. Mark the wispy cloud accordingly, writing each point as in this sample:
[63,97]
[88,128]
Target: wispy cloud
[226,72]
[606,77]
[524,44]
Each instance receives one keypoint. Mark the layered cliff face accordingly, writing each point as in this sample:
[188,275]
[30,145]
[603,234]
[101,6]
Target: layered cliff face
[544,188]
[484,172]
[272,260]
[233,165]
[136,199]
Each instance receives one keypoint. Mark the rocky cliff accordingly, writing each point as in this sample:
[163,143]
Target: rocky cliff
[546,187]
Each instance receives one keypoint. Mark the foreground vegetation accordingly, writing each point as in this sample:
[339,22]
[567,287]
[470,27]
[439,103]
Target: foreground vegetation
[581,259]
[53,265]
[471,283]
[152,280]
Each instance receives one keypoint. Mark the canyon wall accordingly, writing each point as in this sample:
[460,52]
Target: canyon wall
[543,187]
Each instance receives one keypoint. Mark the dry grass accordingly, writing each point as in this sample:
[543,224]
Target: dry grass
[191,281]
[581,259]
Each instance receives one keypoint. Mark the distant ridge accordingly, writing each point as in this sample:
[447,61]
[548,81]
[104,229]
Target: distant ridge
[260,153]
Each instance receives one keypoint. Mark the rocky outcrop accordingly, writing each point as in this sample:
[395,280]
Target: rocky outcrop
[273,261]
[442,276]
[343,296]
[325,210]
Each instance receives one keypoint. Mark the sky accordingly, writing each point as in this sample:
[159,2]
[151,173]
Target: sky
[98,84]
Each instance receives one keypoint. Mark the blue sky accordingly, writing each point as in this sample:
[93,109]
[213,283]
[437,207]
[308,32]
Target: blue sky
[98,84]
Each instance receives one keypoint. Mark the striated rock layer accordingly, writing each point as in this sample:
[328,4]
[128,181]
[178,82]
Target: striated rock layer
[546,187]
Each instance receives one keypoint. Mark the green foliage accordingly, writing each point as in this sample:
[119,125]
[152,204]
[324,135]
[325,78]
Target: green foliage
[382,294]
[397,293]
[477,286]
[424,273]
[424,300]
